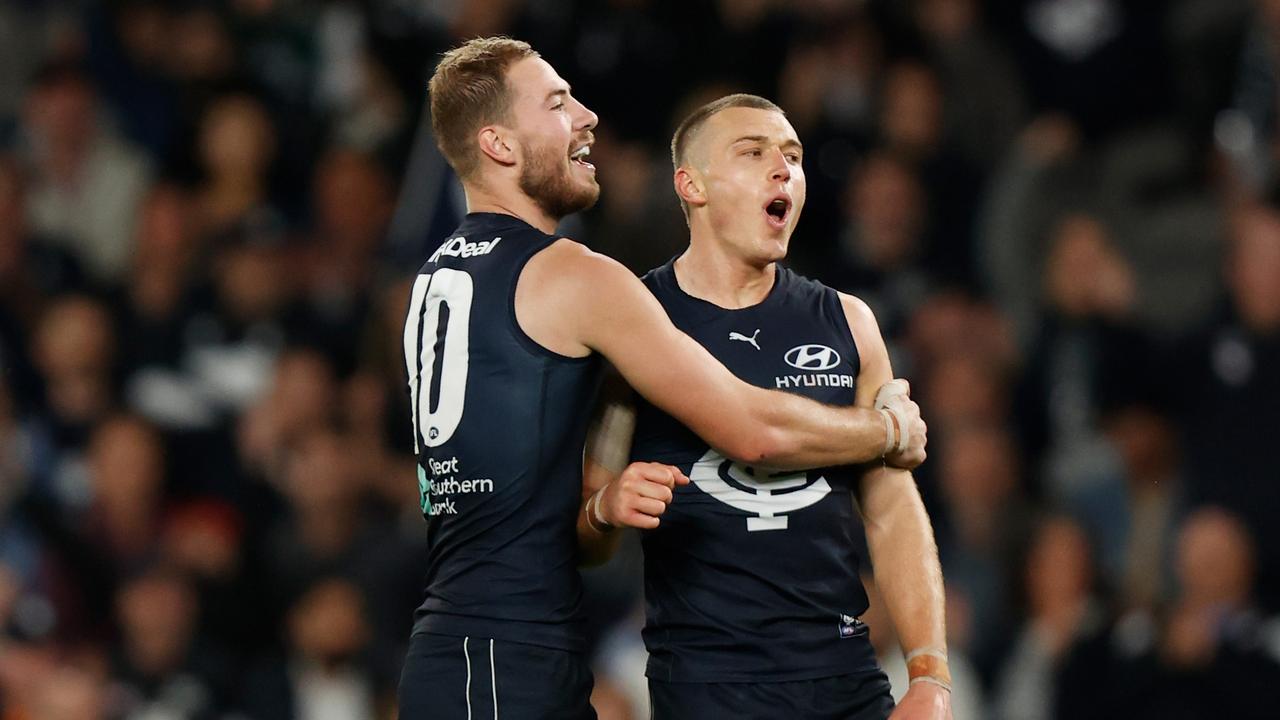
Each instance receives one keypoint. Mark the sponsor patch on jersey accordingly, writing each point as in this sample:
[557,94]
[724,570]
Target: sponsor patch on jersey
[812,357]
[459,247]
[814,380]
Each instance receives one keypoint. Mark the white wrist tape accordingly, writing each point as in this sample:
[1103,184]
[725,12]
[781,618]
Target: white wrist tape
[594,520]
[889,434]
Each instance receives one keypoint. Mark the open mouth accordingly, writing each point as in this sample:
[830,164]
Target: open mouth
[579,156]
[777,211]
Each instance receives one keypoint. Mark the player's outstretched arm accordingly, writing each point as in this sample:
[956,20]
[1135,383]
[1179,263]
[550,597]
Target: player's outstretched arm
[900,540]
[606,308]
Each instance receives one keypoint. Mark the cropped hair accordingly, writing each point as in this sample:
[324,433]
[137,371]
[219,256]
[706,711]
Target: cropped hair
[469,90]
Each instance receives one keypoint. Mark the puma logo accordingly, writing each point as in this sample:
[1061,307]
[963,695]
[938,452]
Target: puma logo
[745,339]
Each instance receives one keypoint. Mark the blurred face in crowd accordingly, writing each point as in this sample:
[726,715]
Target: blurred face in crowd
[73,349]
[1059,570]
[61,114]
[1086,275]
[201,49]
[69,693]
[126,460]
[164,228]
[157,614]
[353,200]
[328,625]
[946,20]
[145,30]
[887,207]
[1215,559]
[963,389]
[252,281]
[304,394]
[236,138]
[1148,445]
[911,116]
[978,475]
[550,128]
[1253,268]
[743,174]
[164,251]
[320,477]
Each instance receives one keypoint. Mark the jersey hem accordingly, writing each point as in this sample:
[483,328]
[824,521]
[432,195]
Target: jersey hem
[515,631]
[760,676]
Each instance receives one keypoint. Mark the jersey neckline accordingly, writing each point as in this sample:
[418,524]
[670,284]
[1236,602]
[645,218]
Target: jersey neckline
[774,291]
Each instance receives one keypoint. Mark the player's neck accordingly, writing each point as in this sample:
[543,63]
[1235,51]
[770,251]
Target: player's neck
[709,271]
[508,201]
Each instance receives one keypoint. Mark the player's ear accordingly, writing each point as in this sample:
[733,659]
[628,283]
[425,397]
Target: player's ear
[498,143]
[689,186]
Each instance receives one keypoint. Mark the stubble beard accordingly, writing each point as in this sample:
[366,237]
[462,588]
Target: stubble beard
[551,186]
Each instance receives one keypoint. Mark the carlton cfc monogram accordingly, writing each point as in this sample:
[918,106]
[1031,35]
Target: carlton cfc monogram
[768,497]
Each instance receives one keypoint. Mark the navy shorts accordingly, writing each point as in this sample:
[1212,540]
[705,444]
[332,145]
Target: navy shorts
[473,678]
[864,696]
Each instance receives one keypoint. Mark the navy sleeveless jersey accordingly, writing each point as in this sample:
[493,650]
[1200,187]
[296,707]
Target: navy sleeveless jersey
[499,424]
[753,576]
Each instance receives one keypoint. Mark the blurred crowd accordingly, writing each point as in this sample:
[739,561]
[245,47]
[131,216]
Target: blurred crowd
[1064,213]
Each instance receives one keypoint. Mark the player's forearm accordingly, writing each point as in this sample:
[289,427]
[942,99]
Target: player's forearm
[594,547]
[596,543]
[798,433]
[905,558]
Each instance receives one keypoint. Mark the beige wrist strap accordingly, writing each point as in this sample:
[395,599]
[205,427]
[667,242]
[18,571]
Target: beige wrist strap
[929,665]
[593,514]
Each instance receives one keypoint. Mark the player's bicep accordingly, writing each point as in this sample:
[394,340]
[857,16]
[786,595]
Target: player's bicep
[873,356]
[624,322]
[880,485]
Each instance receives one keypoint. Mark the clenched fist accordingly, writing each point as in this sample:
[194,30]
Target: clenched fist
[894,398]
[639,496]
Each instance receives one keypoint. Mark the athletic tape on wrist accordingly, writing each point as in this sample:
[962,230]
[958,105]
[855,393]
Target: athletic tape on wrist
[929,665]
[593,514]
[930,679]
[888,432]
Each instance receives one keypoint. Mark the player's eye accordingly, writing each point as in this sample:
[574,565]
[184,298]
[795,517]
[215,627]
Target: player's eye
[754,152]
[793,157]
[558,106]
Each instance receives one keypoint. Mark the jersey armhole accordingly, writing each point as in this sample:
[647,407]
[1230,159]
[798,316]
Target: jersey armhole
[846,331]
[513,323]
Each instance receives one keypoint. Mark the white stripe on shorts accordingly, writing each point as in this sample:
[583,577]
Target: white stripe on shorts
[467,655]
[493,680]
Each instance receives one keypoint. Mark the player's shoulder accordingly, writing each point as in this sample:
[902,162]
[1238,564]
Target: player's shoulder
[861,319]
[571,258]
[572,269]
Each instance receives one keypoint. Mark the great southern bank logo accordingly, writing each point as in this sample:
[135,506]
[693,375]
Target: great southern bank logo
[812,357]
[767,496]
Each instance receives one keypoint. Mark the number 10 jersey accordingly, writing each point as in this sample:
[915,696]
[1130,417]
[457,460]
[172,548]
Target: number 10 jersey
[499,423]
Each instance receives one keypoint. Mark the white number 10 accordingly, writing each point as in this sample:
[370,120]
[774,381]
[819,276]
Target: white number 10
[436,353]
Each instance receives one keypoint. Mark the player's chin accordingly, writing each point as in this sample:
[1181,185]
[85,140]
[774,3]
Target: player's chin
[588,193]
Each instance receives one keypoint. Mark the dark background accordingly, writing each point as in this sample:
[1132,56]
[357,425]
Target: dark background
[1062,212]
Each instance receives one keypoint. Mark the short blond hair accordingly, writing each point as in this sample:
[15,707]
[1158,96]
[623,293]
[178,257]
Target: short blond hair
[689,127]
[469,90]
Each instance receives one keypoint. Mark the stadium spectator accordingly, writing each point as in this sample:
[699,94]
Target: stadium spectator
[86,183]
[210,213]
[1058,578]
